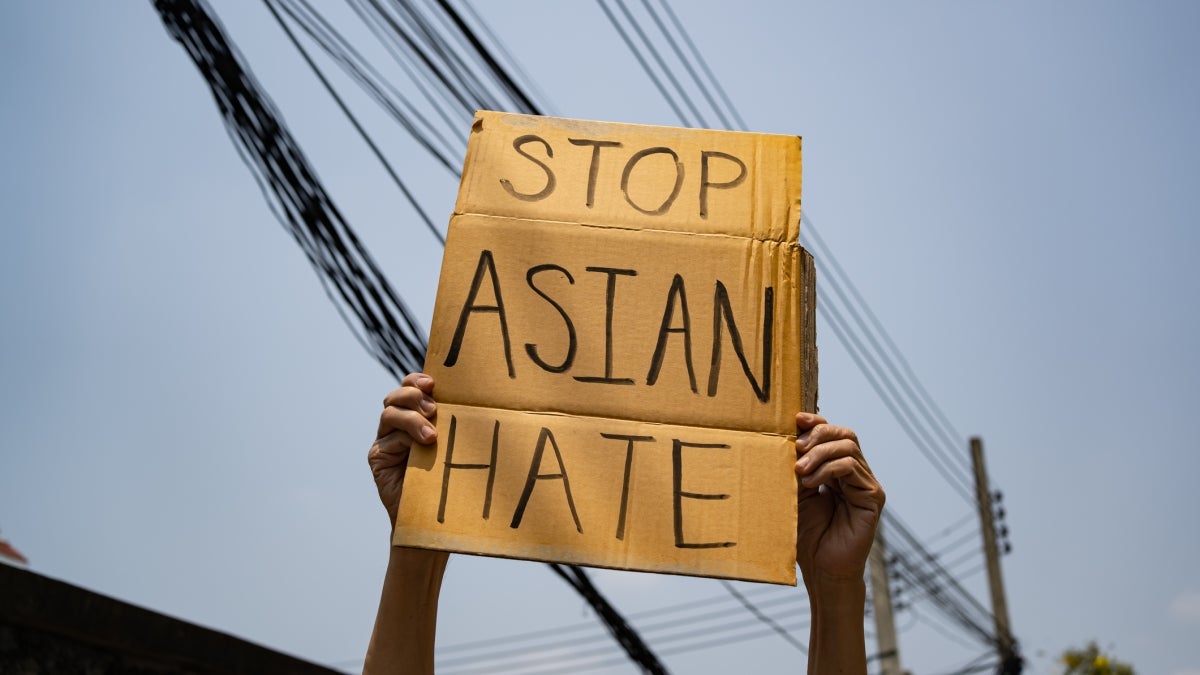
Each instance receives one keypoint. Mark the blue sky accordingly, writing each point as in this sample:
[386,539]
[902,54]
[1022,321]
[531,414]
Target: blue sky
[184,417]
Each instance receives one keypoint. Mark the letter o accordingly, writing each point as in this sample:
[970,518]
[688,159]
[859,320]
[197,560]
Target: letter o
[639,156]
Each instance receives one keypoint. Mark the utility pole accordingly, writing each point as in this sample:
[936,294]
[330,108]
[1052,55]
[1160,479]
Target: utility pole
[1010,662]
[881,599]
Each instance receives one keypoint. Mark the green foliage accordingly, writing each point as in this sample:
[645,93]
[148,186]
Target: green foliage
[1091,661]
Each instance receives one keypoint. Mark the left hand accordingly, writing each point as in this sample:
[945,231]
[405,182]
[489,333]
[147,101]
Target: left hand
[839,502]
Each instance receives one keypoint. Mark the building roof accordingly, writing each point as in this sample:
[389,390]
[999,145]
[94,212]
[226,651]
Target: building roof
[10,555]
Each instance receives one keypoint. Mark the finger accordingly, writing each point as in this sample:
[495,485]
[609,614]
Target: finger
[805,493]
[862,490]
[811,460]
[395,442]
[850,477]
[407,420]
[419,380]
[806,421]
[823,433]
[412,398]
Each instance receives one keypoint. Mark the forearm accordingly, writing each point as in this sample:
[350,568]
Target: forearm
[403,639]
[836,640]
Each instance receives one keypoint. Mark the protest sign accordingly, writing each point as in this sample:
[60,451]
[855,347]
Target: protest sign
[623,333]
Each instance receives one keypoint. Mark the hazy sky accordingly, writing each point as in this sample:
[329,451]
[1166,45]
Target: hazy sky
[184,418]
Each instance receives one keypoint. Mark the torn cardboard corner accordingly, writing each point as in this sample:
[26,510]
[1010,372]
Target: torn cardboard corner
[624,330]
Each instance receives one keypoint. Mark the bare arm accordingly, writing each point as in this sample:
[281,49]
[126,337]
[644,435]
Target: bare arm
[839,504]
[403,638]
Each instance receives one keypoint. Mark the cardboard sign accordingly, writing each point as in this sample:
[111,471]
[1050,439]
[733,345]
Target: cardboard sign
[622,336]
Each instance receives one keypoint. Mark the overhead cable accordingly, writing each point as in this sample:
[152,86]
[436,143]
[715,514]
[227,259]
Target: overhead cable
[896,385]
[350,276]
[296,197]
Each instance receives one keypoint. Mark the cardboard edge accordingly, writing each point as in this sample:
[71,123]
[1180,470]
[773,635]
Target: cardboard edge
[808,331]
[778,241]
[556,555]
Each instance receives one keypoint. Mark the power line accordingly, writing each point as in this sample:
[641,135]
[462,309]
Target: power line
[957,543]
[908,380]
[716,85]
[717,606]
[459,655]
[642,61]
[978,664]
[654,54]
[408,195]
[621,631]
[635,617]
[966,519]
[543,102]
[886,392]
[523,658]
[567,665]
[897,385]
[923,571]
[891,371]
[683,59]
[297,197]
[397,47]
[966,556]
[763,618]
[456,76]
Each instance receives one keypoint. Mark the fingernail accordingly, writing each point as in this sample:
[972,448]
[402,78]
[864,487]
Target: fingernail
[427,434]
[422,380]
[428,406]
[803,465]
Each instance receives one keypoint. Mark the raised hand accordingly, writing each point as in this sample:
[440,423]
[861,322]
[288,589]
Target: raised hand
[404,420]
[839,501]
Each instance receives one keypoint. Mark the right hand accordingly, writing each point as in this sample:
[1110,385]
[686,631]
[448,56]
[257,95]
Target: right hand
[839,502]
[404,420]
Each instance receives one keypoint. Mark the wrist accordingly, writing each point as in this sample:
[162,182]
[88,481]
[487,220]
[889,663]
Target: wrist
[406,624]
[836,636]
[418,563]
[832,594]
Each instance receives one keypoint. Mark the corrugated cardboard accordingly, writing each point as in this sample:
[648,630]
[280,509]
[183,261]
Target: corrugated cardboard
[622,335]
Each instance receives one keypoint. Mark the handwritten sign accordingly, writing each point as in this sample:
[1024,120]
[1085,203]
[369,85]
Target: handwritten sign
[622,335]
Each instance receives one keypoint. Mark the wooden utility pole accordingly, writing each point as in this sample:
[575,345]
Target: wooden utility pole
[881,599]
[1010,662]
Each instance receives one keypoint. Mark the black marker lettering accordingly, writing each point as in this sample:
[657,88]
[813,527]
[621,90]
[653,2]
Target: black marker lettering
[531,349]
[550,180]
[721,309]
[491,467]
[677,291]
[534,476]
[609,300]
[488,264]
[705,184]
[628,469]
[678,493]
[637,157]
[594,168]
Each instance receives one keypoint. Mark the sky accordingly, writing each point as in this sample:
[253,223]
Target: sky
[184,418]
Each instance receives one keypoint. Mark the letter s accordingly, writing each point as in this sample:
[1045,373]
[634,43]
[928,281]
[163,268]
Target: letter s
[550,180]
